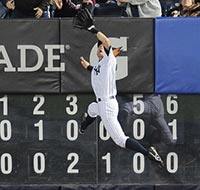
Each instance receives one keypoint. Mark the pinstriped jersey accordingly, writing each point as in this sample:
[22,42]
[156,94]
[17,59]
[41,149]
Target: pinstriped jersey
[103,76]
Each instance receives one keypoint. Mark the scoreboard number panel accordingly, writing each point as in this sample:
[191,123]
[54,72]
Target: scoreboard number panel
[40,142]
[178,158]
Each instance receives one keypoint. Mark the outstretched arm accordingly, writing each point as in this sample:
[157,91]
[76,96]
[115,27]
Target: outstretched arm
[84,20]
[104,39]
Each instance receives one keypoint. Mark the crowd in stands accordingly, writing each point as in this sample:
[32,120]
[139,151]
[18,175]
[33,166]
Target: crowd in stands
[114,8]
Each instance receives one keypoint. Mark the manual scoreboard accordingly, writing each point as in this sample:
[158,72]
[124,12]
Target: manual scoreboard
[40,143]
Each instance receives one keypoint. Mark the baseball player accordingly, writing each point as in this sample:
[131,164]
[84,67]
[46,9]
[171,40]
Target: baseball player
[104,87]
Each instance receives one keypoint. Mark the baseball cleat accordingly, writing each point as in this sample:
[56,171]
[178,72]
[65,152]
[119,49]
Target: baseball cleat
[81,131]
[83,118]
[153,155]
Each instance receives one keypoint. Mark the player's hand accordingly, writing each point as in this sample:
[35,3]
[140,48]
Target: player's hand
[84,20]
[10,4]
[39,12]
[84,63]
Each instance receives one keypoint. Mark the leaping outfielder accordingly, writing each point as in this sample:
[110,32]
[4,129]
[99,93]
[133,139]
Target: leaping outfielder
[104,87]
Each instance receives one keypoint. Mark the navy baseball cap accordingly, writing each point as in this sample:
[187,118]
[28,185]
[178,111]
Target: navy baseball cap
[99,43]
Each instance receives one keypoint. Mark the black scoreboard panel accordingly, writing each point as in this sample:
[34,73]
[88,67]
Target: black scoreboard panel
[40,143]
[181,160]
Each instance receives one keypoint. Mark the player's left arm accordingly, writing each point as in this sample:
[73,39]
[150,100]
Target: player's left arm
[104,39]
[84,20]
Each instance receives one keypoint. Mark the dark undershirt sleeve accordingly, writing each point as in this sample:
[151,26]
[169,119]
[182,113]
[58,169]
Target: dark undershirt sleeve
[107,50]
[89,68]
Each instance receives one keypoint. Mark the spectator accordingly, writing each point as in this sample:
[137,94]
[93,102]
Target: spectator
[70,8]
[6,8]
[145,8]
[3,10]
[106,8]
[85,4]
[55,4]
[185,8]
[29,8]
[167,5]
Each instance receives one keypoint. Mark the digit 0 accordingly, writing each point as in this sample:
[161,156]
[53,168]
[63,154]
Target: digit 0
[138,163]
[172,162]
[72,130]
[6,163]
[39,163]
[103,134]
[138,129]
[5,130]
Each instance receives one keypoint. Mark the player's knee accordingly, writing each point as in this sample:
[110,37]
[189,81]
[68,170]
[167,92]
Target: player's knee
[92,110]
[120,142]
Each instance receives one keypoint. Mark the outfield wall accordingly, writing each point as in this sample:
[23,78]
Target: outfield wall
[44,91]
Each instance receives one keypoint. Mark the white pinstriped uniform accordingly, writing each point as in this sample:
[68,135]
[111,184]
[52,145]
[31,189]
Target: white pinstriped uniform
[104,86]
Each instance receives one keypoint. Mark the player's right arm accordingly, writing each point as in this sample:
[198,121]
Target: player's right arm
[86,64]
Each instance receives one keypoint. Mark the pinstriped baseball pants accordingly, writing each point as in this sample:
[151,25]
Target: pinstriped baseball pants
[108,111]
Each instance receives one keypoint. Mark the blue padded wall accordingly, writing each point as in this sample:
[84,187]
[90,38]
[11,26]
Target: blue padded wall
[177,55]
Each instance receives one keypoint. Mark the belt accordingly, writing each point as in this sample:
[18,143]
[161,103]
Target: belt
[110,97]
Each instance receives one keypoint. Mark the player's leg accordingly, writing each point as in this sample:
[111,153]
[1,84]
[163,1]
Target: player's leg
[89,117]
[134,145]
[117,134]
[151,153]
[109,113]
[113,127]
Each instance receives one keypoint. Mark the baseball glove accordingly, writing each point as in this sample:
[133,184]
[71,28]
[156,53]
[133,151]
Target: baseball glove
[84,20]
